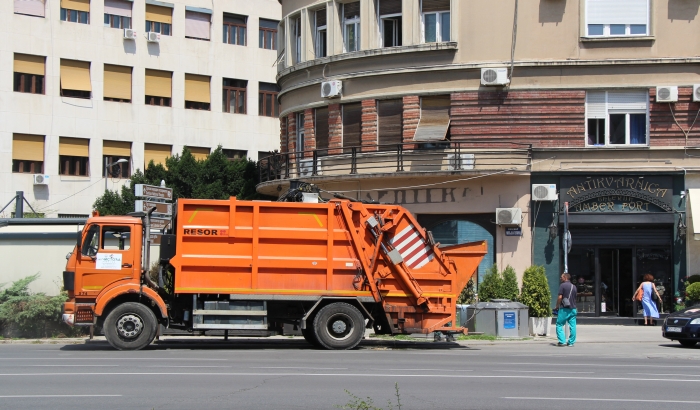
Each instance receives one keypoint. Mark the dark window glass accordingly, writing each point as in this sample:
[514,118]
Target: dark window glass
[27,167]
[617,29]
[77,166]
[595,29]
[618,125]
[234,95]
[122,170]
[161,101]
[596,131]
[28,83]
[638,128]
[638,29]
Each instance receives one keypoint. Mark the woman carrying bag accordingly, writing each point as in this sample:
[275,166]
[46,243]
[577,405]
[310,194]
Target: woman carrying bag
[643,294]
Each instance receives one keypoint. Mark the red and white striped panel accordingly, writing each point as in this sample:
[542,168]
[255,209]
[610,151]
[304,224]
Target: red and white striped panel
[413,249]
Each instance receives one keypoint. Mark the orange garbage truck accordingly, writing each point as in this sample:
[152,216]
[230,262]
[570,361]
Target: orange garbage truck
[331,269]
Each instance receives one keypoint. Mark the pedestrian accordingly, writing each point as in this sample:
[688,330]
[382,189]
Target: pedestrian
[650,310]
[566,310]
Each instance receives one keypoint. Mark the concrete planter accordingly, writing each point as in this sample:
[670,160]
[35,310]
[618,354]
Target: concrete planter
[539,326]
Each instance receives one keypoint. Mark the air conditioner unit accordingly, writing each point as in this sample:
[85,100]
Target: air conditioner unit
[544,192]
[696,93]
[667,94]
[129,34]
[457,162]
[41,179]
[153,37]
[331,89]
[494,76]
[306,167]
[509,216]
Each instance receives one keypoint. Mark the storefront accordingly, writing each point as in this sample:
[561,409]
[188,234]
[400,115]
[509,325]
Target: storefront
[622,227]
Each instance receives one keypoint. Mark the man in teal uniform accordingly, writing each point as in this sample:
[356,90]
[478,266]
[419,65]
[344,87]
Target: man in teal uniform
[566,306]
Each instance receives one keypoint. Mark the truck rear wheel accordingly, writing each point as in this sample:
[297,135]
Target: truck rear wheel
[339,326]
[130,326]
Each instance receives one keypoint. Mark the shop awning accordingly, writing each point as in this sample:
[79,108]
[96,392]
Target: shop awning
[694,200]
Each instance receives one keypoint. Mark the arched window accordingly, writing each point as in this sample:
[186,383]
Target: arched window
[452,232]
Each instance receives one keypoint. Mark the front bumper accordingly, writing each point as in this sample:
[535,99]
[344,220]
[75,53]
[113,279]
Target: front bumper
[688,332]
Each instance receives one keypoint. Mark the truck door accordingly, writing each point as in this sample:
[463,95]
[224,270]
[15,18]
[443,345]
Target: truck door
[107,255]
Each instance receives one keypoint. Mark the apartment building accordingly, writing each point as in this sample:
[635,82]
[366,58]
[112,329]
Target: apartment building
[95,89]
[485,117]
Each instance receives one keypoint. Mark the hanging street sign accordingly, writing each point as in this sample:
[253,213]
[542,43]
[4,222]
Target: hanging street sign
[160,223]
[150,191]
[155,238]
[162,208]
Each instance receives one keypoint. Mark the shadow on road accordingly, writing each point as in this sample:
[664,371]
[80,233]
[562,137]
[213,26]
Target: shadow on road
[679,346]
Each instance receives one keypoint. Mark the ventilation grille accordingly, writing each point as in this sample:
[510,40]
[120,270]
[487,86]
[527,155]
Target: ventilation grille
[541,192]
[326,89]
[505,217]
[664,93]
[489,76]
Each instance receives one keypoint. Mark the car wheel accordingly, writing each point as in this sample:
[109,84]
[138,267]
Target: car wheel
[339,326]
[687,343]
[130,326]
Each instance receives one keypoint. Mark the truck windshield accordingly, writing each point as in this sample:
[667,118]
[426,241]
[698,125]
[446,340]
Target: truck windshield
[91,242]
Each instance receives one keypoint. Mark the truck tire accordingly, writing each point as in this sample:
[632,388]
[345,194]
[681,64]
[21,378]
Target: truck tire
[130,326]
[339,326]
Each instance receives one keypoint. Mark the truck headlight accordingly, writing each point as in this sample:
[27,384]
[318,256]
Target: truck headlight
[695,321]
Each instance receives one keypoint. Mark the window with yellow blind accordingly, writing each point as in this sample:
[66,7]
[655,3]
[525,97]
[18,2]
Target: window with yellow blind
[29,73]
[159,17]
[117,83]
[199,153]
[75,79]
[112,152]
[73,156]
[75,11]
[28,153]
[159,87]
[197,92]
[157,153]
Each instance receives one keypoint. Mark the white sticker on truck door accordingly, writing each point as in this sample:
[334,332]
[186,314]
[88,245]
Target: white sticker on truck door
[108,261]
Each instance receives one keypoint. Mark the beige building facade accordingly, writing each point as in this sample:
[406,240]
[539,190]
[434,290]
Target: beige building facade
[486,118]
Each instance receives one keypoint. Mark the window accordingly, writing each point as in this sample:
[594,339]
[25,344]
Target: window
[235,27]
[73,154]
[159,87]
[156,153]
[28,153]
[75,79]
[268,106]
[197,24]
[199,153]
[234,96]
[29,73]
[75,11]
[268,34]
[113,151]
[117,14]
[434,122]
[298,52]
[436,20]
[301,132]
[116,238]
[117,83]
[235,154]
[389,123]
[617,18]
[321,37]
[352,119]
[616,118]
[351,26]
[91,242]
[390,22]
[30,7]
[321,128]
[159,19]
[197,92]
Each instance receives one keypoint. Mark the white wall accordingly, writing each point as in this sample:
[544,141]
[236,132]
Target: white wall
[55,116]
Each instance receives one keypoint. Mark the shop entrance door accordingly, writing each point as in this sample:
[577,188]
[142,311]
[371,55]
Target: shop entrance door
[616,267]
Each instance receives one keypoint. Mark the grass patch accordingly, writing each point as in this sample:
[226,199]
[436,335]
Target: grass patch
[477,337]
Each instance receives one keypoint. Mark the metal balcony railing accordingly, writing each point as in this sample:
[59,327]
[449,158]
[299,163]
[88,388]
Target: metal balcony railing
[476,156]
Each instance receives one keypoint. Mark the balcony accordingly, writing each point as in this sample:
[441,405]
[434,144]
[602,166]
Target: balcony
[397,160]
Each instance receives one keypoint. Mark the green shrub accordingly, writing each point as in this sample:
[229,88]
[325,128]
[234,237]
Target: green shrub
[468,295]
[693,279]
[510,284]
[492,285]
[535,292]
[693,294]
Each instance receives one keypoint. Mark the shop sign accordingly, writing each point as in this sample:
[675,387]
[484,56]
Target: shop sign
[617,193]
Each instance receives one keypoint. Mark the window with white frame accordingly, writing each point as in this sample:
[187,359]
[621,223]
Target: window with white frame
[615,118]
[296,25]
[617,18]
[321,37]
[390,22]
[351,26]
[435,19]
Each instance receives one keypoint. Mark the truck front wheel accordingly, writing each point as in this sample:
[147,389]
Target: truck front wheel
[130,326]
[339,326]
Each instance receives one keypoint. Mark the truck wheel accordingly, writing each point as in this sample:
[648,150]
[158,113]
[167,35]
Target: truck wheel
[339,326]
[687,343]
[130,326]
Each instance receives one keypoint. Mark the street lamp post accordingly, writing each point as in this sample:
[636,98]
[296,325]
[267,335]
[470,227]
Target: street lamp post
[109,165]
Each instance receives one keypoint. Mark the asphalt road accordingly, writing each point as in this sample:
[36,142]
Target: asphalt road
[288,374]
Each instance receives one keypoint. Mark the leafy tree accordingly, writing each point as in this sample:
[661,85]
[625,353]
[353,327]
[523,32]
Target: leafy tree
[510,284]
[535,292]
[468,295]
[215,177]
[492,285]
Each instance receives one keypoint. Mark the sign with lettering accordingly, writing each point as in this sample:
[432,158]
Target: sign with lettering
[514,231]
[108,261]
[160,223]
[150,191]
[615,193]
[161,207]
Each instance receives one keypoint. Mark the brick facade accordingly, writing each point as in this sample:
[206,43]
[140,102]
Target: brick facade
[291,133]
[309,133]
[411,116]
[335,129]
[368,129]
[283,134]
[663,130]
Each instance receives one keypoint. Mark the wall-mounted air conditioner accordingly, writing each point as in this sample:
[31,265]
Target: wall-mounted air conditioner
[41,179]
[509,216]
[331,89]
[696,93]
[494,76]
[153,37]
[129,34]
[667,94]
[544,192]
